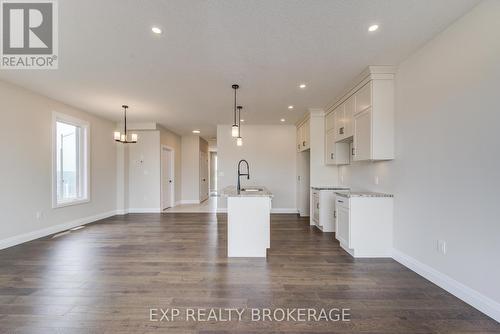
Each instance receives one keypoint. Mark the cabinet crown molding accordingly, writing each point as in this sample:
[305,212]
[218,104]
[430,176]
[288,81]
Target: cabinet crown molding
[372,72]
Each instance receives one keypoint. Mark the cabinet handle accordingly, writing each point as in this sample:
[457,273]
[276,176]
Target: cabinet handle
[303,143]
[341,130]
[340,201]
[298,146]
[317,206]
[331,156]
[353,151]
[334,214]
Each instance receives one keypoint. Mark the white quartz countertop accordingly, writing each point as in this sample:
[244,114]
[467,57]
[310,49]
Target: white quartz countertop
[251,191]
[330,187]
[350,194]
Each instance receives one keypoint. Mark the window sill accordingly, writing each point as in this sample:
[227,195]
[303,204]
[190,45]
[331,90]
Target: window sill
[70,203]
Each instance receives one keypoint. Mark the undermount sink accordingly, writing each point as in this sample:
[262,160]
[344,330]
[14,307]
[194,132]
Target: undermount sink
[252,189]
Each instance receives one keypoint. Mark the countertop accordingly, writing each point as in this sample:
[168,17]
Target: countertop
[330,187]
[232,192]
[350,194]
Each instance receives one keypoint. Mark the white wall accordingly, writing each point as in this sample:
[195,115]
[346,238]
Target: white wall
[446,174]
[26,146]
[190,169]
[144,186]
[270,151]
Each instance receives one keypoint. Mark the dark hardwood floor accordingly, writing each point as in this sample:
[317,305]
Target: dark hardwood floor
[106,277]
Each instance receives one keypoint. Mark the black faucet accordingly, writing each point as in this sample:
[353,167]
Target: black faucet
[241,174]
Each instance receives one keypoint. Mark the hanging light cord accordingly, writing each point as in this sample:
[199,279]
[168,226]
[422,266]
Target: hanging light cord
[235,106]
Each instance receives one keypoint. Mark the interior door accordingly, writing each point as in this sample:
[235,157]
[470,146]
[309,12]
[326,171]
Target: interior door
[166,179]
[203,176]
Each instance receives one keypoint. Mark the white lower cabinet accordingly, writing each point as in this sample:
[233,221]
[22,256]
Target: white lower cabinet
[323,208]
[364,225]
[342,223]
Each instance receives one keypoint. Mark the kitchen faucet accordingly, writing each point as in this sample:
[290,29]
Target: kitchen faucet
[241,174]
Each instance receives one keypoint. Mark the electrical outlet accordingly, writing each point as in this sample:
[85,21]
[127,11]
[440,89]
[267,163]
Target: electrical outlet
[342,179]
[376,179]
[441,246]
[39,215]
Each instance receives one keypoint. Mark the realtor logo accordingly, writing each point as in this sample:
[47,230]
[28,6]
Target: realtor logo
[29,34]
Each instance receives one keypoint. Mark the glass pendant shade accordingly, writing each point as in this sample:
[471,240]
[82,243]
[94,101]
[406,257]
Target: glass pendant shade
[239,141]
[124,137]
[234,131]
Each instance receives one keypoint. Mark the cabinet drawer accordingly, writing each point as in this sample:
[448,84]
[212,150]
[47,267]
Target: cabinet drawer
[364,97]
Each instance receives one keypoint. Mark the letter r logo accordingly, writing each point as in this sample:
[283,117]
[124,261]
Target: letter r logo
[27,27]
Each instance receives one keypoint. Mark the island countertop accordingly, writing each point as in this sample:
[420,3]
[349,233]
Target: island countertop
[251,191]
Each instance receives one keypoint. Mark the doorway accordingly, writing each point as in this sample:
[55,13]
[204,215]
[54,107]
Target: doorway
[167,177]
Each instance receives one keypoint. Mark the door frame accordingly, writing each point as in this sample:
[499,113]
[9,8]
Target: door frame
[171,169]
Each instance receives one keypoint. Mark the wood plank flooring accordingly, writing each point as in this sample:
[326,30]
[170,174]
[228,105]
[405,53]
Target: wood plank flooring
[106,277]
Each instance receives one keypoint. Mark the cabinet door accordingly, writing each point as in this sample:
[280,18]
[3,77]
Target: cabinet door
[364,97]
[349,109]
[339,123]
[363,135]
[306,142]
[299,138]
[329,121]
[330,147]
[315,208]
[342,232]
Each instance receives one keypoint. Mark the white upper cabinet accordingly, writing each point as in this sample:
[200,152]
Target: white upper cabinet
[374,121]
[364,116]
[364,97]
[330,122]
[362,148]
[303,136]
[349,107]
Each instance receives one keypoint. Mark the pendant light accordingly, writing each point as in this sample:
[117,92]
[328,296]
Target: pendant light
[235,127]
[124,137]
[239,140]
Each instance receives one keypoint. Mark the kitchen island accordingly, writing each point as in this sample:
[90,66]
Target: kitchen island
[248,221]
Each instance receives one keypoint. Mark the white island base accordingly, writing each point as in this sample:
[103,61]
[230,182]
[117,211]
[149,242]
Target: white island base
[248,225]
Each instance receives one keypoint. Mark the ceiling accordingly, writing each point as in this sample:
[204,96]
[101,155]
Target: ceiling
[182,79]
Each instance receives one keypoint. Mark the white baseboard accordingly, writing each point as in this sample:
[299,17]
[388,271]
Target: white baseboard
[19,239]
[284,210]
[144,210]
[187,201]
[122,212]
[481,302]
[273,210]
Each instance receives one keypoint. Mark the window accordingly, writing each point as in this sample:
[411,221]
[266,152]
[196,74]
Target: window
[70,165]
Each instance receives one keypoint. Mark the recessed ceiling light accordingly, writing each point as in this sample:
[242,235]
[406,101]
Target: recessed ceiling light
[373,28]
[242,121]
[196,131]
[156,30]
[282,120]
[302,85]
[290,107]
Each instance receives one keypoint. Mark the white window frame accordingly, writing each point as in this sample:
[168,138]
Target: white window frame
[84,163]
